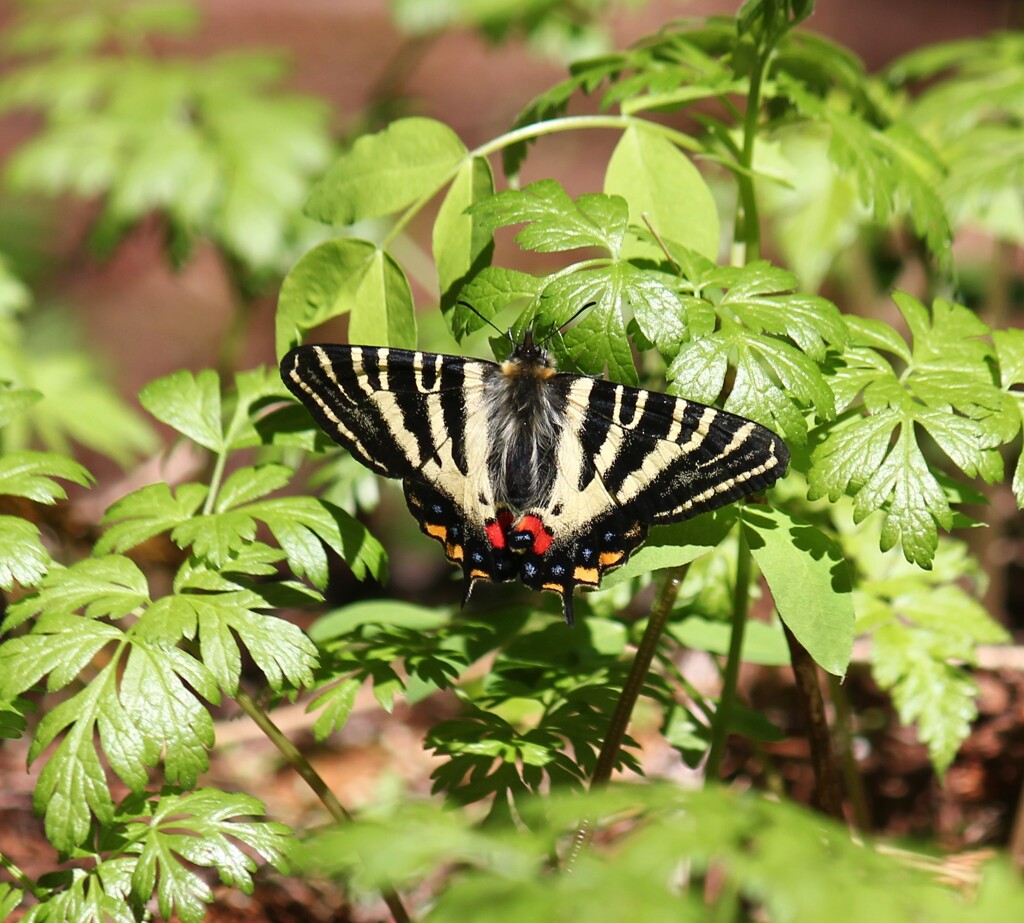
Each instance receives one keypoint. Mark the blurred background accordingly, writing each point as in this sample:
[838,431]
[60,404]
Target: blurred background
[132,246]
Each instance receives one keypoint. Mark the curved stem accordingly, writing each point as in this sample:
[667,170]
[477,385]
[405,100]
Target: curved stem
[740,607]
[297,760]
[536,130]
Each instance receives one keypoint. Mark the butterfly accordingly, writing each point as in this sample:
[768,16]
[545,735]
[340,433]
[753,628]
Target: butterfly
[524,472]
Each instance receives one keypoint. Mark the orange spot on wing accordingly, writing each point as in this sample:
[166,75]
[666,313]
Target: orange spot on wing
[610,558]
[437,531]
[586,575]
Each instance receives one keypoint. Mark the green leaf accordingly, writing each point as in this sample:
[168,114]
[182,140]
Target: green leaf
[147,512]
[386,171]
[335,704]
[31,475]
[14,400]
[250,483]
[762,644]
[490,291]
[598,341]
[947,390]
[809,580]
[300,524]
[190,404]
[343,276]
[895,170]
[227,622]
[23,559]
[1009,346]
[554,221]
[462,245]
[174,835]
[660,183]
[103,587]
[78,405]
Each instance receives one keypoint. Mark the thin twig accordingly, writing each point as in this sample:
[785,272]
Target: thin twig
[297,760]
[828,789]
[627,700]
[723,715]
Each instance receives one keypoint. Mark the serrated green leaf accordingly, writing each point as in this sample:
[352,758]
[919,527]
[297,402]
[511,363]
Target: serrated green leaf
[250,483]
[946,390]
[660,183]
[300,523]
[809,580]
[343,276]
[78,405]
[761,296]
[1009,347]
[553,221]
[927,690]
[103,587]
[335,705]
[190,404]
[462,246]
[598,341]
[490,291]
[386,171]
[23,559]
[31,475]
[147,512]
[198,829]
[222,620]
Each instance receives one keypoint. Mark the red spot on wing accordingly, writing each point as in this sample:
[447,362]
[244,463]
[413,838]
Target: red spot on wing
[495,534]
[541,536]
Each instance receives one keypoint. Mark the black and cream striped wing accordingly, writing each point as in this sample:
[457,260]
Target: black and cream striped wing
[419,417]
[628,459]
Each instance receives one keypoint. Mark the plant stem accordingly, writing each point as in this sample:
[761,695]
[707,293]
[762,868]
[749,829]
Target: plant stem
[313,779]
[637,675]
[740,607]
[828,790]
[38,892]
[627,700]
[854,783]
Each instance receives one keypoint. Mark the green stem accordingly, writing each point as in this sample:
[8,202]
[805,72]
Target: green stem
[312,778]
[216,476]
[536,130]
[627,701]
[748,228]
[723,716]
[637,675]
[38,892]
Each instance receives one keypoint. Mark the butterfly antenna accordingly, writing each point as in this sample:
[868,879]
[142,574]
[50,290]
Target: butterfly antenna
[562,326]
[488,321]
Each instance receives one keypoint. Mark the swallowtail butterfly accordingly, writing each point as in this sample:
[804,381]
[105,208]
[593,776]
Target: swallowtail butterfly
[521,471]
